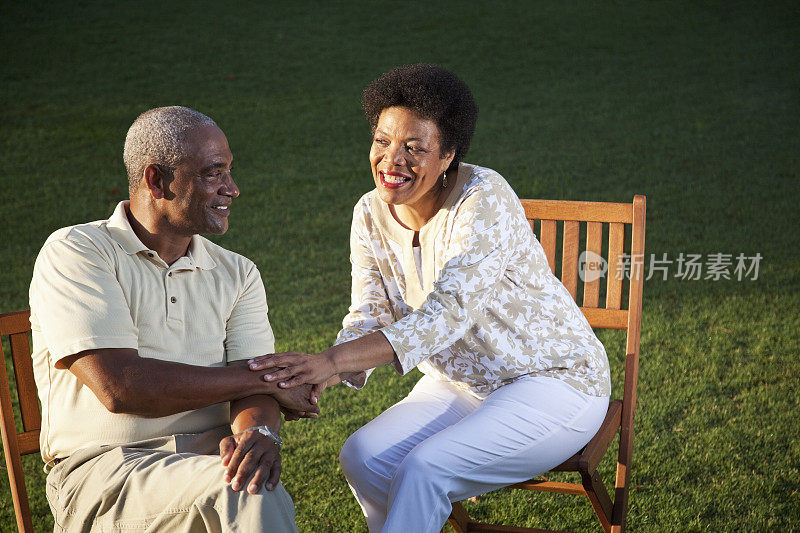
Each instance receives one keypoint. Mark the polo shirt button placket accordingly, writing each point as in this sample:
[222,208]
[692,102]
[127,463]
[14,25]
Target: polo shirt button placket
[171,300]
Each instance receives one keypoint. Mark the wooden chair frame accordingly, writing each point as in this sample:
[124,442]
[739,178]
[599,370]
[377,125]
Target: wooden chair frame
[619,418]
[15,444]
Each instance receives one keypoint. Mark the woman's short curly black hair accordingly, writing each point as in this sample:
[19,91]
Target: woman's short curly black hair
[433,93]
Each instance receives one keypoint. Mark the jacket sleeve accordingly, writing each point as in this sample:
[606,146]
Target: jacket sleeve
[369,303]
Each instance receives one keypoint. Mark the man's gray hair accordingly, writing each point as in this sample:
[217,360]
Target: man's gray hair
[158,136]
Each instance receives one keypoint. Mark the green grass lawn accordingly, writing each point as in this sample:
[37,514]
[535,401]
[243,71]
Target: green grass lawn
[695,104]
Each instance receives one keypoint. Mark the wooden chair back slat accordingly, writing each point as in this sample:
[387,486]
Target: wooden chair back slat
[26,384]
[547,239]
[606,318]
[616,247]
[572,210]
[16,326]
[569,256]
[594,244]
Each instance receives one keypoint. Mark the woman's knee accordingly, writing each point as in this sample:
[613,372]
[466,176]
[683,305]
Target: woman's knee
[356,454]
[423,465]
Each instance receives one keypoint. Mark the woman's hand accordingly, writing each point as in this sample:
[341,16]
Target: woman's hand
[291,369]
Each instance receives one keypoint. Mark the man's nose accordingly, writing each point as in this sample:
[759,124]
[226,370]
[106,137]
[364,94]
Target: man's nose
[229,187]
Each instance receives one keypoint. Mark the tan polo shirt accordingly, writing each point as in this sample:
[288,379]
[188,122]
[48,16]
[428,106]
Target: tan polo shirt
[97,286]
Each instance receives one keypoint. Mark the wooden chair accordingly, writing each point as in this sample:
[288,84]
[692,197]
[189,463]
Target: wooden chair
[619,418]
[15,444]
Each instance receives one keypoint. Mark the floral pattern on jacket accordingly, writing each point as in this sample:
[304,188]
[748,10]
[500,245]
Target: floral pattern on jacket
[489,311]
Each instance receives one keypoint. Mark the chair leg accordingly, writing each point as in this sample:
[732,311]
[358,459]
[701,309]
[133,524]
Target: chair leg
[598,496]
[622,483]
[459,518]
[620,500]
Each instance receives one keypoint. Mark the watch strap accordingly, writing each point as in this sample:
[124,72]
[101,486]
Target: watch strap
[269,433]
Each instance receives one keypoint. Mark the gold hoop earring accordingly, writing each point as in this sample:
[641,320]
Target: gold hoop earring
[444,179]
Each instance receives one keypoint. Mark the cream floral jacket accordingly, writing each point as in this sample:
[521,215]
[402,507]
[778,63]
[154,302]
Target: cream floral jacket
[487,309]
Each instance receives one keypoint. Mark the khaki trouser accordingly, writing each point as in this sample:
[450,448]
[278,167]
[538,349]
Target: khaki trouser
[169,484]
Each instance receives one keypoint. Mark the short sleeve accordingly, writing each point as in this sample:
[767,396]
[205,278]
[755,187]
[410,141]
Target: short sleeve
[248,332]
[77,299]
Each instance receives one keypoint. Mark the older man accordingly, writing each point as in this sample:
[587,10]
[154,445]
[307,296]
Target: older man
[141,329]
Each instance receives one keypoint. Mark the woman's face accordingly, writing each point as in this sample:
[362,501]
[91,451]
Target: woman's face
[406,160]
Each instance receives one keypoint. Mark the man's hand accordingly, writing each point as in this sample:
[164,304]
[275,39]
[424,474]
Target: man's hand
[316,392]
[248,453]
[291,415]
[297,400]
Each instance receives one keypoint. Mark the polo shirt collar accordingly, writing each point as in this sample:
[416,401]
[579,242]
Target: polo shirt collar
[198,253]
[121,231]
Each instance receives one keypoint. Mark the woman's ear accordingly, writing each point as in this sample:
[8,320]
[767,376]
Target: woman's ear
[448,157]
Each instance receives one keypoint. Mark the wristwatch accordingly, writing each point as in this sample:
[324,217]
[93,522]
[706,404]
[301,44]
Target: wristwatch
[267,432]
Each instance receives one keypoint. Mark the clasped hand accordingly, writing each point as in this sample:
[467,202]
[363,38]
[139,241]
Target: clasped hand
[248,453]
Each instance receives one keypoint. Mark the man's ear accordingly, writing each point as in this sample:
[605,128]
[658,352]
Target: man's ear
[156,181]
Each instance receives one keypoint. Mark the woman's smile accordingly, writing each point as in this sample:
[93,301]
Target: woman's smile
[393,180]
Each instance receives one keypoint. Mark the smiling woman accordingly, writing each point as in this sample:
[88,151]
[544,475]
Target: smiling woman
[448,277]
[408,164]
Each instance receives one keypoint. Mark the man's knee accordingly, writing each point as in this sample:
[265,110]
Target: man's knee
[264,511]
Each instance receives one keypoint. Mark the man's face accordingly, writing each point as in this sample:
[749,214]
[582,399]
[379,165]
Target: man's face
[200,193]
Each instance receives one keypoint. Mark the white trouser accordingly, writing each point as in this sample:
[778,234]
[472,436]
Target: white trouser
[441,444]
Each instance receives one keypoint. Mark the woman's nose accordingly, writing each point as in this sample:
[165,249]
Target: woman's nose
[394,154]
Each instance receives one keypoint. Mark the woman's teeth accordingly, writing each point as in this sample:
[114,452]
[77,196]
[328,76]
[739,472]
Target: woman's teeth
[394,179]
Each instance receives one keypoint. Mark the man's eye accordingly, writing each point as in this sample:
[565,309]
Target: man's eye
[381,142]
[415,149]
